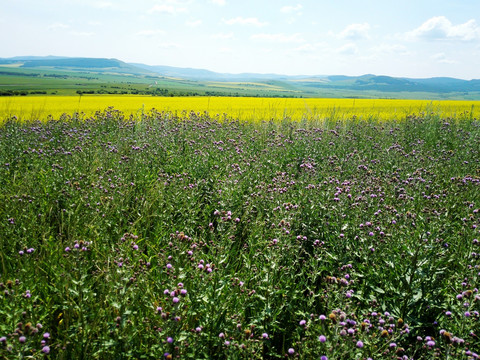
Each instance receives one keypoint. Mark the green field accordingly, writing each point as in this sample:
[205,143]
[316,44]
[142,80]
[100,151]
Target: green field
[65,82]
[95,77]
[181,236]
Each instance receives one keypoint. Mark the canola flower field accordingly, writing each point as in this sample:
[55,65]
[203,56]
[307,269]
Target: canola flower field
[178,234]
[251,109]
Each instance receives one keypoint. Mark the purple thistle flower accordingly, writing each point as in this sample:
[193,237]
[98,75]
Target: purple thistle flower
[175,300]
[169,340]
[322,338]
[359,344]
[22,339]
[291,351]
[46,349]
[302,322]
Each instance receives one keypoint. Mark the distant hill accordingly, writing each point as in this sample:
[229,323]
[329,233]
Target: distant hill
[208,82]
[363,82]
[79,64]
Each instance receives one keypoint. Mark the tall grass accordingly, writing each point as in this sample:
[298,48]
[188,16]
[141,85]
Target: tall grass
[181,236]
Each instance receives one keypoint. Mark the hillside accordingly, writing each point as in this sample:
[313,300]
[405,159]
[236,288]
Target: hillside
[55,74]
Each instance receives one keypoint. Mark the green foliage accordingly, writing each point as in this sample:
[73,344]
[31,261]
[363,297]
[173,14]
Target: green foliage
[185,236]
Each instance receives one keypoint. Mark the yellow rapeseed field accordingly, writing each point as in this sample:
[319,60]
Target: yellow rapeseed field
[242,108]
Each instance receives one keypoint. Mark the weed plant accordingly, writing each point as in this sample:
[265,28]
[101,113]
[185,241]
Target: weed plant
[182,236]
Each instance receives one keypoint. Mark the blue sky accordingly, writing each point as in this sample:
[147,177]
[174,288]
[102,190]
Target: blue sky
[411,38]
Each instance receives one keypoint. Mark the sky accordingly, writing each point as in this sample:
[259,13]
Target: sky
[406,38]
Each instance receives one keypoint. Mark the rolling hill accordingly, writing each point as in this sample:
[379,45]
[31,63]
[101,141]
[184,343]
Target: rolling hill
[103,72]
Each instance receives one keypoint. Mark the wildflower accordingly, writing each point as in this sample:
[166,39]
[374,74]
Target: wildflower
[169,340]
[46,349]
[175,300]
[323,357]
[221,335]
[291,351]
[322,317]
[359,344]
[22,339]
[322,338]
[46,335]
[265,335]
[302,322]
[430,343]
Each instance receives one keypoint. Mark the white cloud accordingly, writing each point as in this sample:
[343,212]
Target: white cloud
[58,26]
[355,32]
[396,49]
[82,33]
[348,49]
[292,9]
[150,33]
[102,4]
[306,48]
[279,38]
[440,28]
[193,23]
[169,45]
[442,58]
[171,7]
[218,2]
[222,36]
[311,48]
[244,21]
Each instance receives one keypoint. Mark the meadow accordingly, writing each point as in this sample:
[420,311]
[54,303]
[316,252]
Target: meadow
[311,232]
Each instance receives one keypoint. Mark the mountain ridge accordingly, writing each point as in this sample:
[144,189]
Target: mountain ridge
[295,85]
